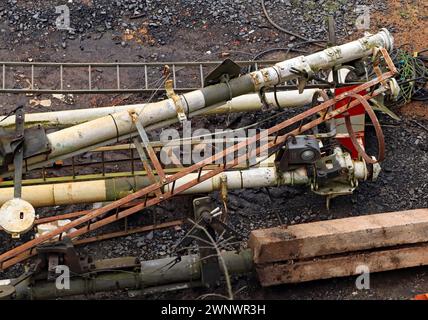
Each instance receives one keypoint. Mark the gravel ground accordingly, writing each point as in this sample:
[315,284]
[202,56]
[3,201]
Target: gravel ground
[186,30]
[238,18]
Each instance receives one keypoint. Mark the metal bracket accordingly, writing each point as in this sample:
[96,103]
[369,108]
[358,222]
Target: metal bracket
[207,217]
[150,151]
[29,142]
[305,74]
[227,68]
[51,255]
[334,53]
[266,106]
[210,269]
[224,192]
[169,87]
[19,151]
[334,176]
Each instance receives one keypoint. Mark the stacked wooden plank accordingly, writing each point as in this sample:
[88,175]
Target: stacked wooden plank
[336,248]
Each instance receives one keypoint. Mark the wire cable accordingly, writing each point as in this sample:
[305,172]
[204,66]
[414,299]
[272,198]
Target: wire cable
[286,30]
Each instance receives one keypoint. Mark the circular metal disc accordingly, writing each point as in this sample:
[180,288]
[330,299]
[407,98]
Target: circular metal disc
[17,216]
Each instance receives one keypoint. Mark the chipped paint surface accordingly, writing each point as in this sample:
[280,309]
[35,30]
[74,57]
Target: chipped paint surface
[17,216]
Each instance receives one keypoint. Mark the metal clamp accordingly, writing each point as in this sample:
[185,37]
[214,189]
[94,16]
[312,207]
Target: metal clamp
[169,87]
[305,74]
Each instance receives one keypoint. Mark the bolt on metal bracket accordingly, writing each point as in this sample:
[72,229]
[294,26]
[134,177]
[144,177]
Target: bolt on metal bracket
[305,74]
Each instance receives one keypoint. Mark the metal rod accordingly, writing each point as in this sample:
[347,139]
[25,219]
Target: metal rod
[130,64]
[103,163]
[118,77]
[4,77]
[127,231]
[173,77]
[201,70]
[32,77]
[19,153]
[146,80]
[90,77]
[61,75]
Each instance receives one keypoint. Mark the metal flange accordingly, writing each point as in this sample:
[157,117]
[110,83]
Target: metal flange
[17,216]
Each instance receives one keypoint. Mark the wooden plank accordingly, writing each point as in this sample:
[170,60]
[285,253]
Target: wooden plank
[383,260]
[338,236]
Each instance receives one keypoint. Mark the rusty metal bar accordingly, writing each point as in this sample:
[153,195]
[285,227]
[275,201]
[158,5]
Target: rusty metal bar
[149,149]
[110,236]
[127,232]
[146,165]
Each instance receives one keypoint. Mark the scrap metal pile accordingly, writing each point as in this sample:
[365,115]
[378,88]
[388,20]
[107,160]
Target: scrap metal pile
[323,147]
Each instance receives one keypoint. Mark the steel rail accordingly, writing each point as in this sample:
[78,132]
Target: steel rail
[116,87]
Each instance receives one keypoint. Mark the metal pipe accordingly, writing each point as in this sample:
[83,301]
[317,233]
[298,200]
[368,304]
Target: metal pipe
[110,189]
[115,188]
[244,103]
[154,273]
[77,138]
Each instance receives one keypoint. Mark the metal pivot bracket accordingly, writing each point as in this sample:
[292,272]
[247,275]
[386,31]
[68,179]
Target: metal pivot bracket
[226,70]
[51,255]
[169,87]
[208,215]
[210,270]
[305,74]
[206,229]
[151,153]
[327,168]
[266,106]
[224,193]
[17,215]
[334,176]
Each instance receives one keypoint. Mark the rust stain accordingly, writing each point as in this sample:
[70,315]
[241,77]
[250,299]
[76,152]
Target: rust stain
[140,36]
